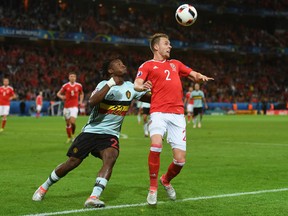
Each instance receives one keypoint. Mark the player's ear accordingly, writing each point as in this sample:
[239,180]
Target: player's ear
[110,71]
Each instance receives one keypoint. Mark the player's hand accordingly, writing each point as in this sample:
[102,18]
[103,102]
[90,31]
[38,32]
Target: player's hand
[202,78]
[147,85]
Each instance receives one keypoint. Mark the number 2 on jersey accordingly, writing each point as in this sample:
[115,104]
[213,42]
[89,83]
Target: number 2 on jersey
[168,74]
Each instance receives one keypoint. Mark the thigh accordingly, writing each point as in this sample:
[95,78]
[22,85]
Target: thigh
[86,143]
[176,132]
[74,112]
[157,124]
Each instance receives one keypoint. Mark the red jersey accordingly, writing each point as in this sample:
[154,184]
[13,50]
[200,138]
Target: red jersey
[188,98]
[5,94]
[166,89]
[39,100]
[71,92]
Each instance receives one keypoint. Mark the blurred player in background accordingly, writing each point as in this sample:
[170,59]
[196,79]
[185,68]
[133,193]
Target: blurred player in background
[198,97]
[6,95]
[39,104]
[189,104]
[110,102]
[144,110]
[166,111]
[70,93]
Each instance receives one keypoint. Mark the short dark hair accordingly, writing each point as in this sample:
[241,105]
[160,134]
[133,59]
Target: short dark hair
[107,65]
[155,39]
[72,72]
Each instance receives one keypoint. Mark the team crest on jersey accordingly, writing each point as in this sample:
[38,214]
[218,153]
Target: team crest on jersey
[139,73]
[75,150]
[173,66]
[128,94]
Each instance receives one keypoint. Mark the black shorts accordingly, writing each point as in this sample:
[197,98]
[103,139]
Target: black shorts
[145,110]
[197,110]
[86,143]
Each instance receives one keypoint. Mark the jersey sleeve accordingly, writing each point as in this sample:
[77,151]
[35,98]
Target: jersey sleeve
[99,87]
[62,90]
[184,70]
[142,71]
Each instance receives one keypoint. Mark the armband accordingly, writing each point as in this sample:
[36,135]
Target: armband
[111,82]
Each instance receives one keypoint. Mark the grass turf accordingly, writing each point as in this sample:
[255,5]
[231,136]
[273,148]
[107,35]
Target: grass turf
[228,155]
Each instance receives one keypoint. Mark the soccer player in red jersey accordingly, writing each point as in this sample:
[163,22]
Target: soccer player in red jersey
[39,103]
[70,92]
[189,103]
[6,95]
[166,111]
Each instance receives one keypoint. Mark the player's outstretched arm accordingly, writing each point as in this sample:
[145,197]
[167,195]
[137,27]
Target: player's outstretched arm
[198,77]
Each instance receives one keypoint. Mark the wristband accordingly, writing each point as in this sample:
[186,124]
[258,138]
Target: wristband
[111,82]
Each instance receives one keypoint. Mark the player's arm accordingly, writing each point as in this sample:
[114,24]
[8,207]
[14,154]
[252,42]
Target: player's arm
[60,94]
[98,95]
[81,97]
[198,77]
[205,103]
[14,96]
[140,85]
[185,100]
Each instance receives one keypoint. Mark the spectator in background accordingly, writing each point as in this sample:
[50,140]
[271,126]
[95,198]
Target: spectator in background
[22,106]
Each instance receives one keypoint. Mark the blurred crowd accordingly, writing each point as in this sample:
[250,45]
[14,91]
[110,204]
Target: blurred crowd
[124,19]
[238,78]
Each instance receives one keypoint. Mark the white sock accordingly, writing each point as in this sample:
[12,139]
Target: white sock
[99,186]
[146,128]
[139,118]
[53,178]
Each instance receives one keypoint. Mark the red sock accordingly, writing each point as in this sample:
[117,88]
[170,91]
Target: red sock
[189,117]
[154,164]
[3,123]
[173,171]
[69,131]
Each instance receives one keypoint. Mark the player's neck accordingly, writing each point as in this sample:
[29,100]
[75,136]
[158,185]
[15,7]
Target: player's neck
[158,57]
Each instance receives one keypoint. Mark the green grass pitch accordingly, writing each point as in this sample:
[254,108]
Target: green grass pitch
[236,165]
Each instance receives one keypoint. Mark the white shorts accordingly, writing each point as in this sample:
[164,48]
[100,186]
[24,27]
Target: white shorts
[190,108]
[172,124]
[4,110]
[38,108]
[70,112]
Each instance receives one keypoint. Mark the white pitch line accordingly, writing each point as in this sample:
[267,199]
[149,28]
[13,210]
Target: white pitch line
[161,202]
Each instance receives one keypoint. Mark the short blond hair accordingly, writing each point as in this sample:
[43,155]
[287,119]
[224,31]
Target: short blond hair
[154,39]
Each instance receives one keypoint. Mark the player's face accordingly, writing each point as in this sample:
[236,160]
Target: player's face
[164,47]
[118,67]
[72,78]
[197,87]
[5,82]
